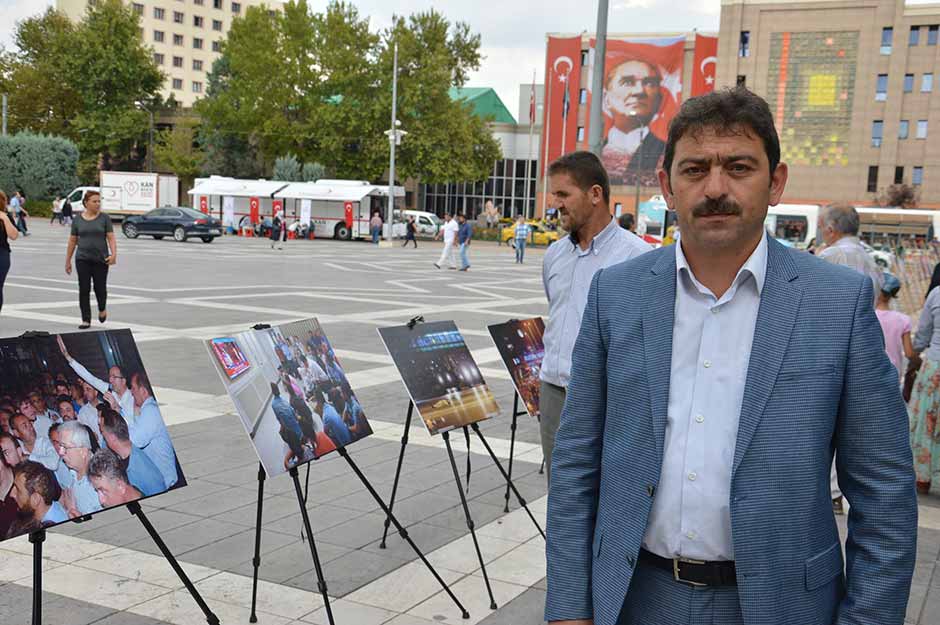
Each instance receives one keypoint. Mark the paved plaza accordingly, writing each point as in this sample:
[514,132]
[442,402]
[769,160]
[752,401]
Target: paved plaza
[174,296]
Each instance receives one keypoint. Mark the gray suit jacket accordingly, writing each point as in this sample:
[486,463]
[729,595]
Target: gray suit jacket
[818,381]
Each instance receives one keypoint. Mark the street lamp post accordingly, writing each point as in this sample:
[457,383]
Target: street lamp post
[392,140]
[596,125]
[639,154]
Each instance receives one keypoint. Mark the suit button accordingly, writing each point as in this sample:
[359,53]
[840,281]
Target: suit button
[650,490]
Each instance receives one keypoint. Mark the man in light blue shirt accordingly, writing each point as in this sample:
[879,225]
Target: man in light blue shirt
[149,432]
[75,450]
[140,471]
[581,191]
[37,494]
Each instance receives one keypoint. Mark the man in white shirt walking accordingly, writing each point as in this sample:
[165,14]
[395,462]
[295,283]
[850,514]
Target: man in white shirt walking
[449,233]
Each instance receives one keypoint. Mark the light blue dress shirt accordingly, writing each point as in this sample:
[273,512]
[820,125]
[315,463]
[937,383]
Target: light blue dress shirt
[567,271]
[84,494]
[149,433]
[55,514]
[711,348]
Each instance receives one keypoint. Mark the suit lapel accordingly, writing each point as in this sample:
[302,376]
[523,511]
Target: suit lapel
[779,305]
[659,311]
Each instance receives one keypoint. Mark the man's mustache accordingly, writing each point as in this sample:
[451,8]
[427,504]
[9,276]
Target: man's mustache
[720,206]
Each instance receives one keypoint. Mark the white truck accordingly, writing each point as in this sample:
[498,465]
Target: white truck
[132,193]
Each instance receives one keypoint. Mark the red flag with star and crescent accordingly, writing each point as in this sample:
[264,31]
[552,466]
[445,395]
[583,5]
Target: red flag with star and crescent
[703,72]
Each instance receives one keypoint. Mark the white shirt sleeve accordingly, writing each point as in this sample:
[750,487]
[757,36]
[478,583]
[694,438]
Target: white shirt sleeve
[86,375]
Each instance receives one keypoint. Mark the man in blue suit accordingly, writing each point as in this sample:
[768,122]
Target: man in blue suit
[712,382]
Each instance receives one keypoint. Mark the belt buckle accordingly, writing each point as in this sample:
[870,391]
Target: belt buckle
[676,574]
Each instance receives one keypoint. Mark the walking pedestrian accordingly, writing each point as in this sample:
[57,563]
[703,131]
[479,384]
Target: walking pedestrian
[628,222]
[278,231]
[56,211]
[66,212]
[520,236]
[8,232]
[95,248]
[895,325]
[18,204]
[581,189]
[924,406]
[375,227]
[464,235]
[411,232]
[448,233]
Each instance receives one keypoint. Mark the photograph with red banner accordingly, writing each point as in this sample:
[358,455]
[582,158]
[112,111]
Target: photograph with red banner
[642,93]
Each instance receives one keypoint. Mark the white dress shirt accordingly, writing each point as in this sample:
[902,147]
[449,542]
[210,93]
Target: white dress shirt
[567,271]
[711,347]
[126,400]
[450,231]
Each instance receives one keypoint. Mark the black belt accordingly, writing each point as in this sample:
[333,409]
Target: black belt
[694,572]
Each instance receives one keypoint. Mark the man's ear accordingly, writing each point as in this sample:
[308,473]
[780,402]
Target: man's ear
[666,187]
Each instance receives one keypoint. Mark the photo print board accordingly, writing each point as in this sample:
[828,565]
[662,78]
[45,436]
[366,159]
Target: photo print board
[521,345]
[290,392]
[440,375]
[80,429]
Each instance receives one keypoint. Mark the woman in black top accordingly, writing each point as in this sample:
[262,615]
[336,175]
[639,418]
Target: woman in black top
[8,232]
[410,233]
[93,237]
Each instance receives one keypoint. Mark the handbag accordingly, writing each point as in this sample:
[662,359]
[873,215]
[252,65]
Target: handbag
[910,376]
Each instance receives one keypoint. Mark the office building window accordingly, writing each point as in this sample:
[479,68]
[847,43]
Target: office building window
[926,83]
[177,40]
[921,129]
[904,129]
[197,86]
[236,7]
[582,96]
[217,25]
[197,43]
[177,83]
[932,34]
[158,36]
[216,4]
[914,38]
[177,61]
[872,178]
[158,58]
[887,34]
[177,17]
[158,13]
[198,21]
[585,57]
[917,177]
[881,88]
[216,46]
[741,80]
[138,8]
[580,133]
[877,133]
[744,44]
[908,83]
[898,175]
[197,65]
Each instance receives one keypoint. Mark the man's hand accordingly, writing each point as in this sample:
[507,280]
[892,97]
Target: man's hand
[67,500]
[65,352]
[113,402]
[111,259]
[68,267]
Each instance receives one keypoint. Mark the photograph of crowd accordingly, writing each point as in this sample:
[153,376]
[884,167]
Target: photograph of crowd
[522,348]
[290,392]
[440,374]
[80,430]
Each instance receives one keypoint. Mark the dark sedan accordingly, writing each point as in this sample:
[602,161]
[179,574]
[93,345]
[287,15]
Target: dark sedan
[178,222]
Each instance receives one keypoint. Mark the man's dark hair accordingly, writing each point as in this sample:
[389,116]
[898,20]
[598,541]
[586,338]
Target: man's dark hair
[734,110]
[627,221]
[63,399]
[275,390]
[38,479]
[107,464]
[115,424]
[585,169]
[140,379]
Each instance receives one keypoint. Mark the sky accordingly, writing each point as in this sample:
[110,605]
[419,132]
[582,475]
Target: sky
[512,32]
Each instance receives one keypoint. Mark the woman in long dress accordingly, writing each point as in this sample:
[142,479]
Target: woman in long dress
[924,406]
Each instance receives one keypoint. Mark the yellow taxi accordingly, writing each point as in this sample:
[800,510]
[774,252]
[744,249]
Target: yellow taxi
[539,233]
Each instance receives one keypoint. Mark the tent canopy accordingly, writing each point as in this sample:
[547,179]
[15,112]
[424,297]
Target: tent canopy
[235,187]
[338,191]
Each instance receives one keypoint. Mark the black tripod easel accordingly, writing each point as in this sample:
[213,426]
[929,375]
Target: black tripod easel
[516,413]
[38,537]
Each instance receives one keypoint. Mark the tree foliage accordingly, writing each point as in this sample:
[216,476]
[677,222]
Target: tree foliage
[287,168]
[176,151]
[901,195]
[85,81]
[318,85]
[38,165]
[313,172]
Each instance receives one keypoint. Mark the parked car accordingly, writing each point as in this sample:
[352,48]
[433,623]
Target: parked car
[178,222]
[540,234]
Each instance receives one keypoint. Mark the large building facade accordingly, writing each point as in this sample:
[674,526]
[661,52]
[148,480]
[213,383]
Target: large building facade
[185,36]
[851,86]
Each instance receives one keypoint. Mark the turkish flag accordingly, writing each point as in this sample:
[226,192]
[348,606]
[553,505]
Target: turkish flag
[204,204]
[254,207]
[562,75]
[706,57]
[348,214]
[276,207]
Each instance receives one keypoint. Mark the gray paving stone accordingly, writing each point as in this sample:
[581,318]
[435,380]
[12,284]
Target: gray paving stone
[349,572]
[426,537]
[227,553]
[184,539]
[290,561]
[526,609]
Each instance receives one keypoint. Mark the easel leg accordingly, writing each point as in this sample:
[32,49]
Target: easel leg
[135,509]
[321,584]
[37,538]
[401,458]
[542,466]
[476,428]
[512,444]
[401,530]
[466,511]
[256,561]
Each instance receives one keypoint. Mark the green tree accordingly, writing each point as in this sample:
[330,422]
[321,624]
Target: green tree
[228,152]
[177,151]
[312,172]
[287,168]
[38,165]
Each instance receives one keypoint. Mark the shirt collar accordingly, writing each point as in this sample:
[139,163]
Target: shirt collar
[755,265]
[597,243]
